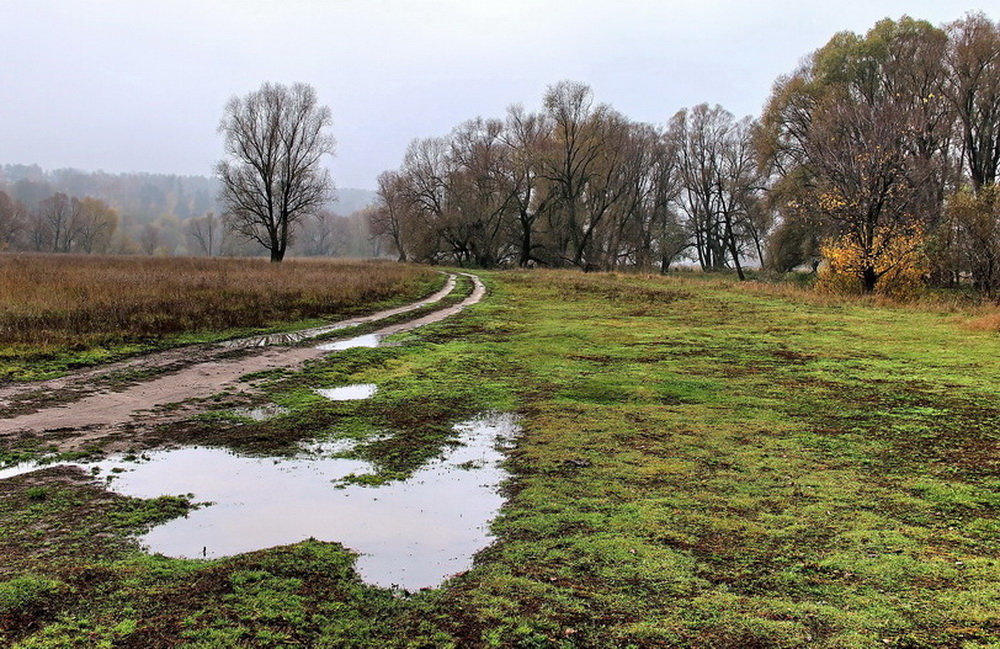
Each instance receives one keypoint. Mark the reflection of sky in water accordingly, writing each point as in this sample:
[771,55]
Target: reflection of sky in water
[261,413]
[368,340]
[349,392]
[412,534]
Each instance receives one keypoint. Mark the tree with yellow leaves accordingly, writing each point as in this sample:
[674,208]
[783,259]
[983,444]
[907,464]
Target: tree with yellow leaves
[865,192]
[893,264]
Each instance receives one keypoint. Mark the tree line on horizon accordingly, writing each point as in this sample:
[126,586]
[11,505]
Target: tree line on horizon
[74,211]
[877,156]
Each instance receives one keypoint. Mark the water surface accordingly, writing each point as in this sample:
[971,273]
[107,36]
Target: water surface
[349,392]
[261,413]
[412,533]
[368,340]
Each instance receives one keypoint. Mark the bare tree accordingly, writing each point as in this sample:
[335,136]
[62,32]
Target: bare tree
[13,215]
[525,136]
[389,218]
[150,239]
[56,215]
[481,198]
[204,231]
[94,223]
[699,137]
[427,168]
[275,140]
[570,157]
[322,235]
[973,87]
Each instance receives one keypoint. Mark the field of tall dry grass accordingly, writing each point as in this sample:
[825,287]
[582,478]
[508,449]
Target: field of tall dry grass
[79,301]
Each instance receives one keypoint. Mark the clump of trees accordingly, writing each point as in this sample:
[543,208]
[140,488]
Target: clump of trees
[577,184]
[878,155]
[883,145]
[159,214]
[59,223]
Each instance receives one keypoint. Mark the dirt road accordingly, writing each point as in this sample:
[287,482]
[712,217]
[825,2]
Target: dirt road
[91,405]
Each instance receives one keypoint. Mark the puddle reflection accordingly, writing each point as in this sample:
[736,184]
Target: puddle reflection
[261,413]
[368,340]
[411,534]
[349,392]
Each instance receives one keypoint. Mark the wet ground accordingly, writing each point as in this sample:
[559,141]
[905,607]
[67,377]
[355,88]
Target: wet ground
[95,413]
[411,534]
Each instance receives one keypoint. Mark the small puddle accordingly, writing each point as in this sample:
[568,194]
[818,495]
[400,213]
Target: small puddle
[261,413]
[411,534]
[329,447]
[368,340]
[349,392]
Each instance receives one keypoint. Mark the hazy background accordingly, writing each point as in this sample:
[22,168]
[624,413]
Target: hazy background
[120,85]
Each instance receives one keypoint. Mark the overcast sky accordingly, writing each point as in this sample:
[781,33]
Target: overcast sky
[139,85]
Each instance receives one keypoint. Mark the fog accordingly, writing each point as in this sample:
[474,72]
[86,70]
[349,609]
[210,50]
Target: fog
[140,86]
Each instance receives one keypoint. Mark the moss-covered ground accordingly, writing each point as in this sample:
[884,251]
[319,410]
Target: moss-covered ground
[703,464]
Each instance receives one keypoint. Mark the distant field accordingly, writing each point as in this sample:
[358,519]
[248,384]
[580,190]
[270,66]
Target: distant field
[54,305]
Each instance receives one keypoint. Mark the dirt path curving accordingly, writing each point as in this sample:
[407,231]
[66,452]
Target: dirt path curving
[77,384]
[205,372]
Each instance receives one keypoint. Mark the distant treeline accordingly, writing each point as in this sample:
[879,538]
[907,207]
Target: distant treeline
[878,155]
[69,210]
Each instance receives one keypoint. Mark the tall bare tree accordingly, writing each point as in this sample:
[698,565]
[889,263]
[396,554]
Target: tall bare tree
[390,218]
[525,136]
[482,198]
[973,86]
[275,141]
[570,157]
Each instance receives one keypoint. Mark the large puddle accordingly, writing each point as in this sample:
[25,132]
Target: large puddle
[410,534]
[367,340]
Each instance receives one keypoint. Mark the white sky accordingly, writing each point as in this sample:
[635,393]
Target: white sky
[139,85]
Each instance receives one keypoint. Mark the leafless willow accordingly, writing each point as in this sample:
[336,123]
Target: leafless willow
[275,141]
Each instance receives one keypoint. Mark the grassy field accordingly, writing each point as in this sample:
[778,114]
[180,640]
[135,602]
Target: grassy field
[703,464]
[61,311]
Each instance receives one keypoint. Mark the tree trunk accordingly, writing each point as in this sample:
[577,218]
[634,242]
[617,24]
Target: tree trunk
[664,264]
[731,241]
[868,280]
[525,257]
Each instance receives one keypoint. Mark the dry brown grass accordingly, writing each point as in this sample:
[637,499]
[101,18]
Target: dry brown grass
[971,310]
[985,322]
[80,301]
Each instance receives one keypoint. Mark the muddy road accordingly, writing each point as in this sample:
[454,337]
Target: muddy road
[79,410]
